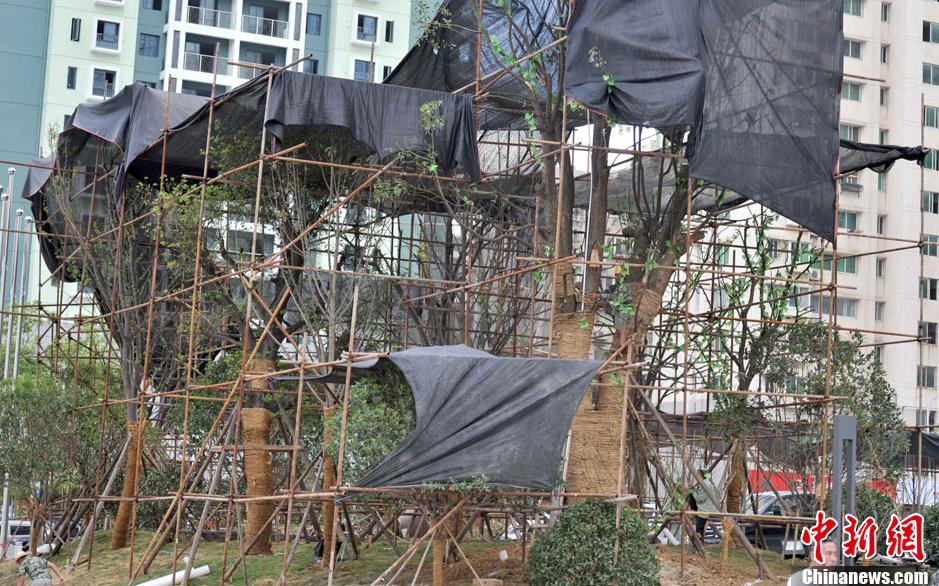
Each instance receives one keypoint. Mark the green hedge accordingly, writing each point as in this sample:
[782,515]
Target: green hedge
[578,549]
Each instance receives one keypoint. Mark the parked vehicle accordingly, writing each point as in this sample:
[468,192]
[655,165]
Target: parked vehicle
[18,537]
[774,535]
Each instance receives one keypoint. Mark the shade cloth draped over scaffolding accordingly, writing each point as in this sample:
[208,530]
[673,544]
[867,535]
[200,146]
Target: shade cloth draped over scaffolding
[444,59]
[758,79]
[129,122]
[482,415]
[877,157]
[379,120]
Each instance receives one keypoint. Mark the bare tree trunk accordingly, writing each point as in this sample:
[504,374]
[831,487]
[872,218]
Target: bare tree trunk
[596,218]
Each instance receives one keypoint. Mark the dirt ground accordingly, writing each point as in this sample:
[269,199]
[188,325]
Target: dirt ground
[738,570]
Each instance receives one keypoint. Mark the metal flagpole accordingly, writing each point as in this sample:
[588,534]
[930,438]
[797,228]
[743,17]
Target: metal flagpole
[13,293]
[27,254]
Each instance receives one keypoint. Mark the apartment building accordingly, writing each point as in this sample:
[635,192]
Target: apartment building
[189,41]
[89,56]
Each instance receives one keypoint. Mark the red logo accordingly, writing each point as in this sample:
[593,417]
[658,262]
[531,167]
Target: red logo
[818,533]
[905,537]
[859,537]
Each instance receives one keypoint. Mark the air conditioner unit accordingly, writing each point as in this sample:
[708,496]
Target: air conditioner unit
[814,275]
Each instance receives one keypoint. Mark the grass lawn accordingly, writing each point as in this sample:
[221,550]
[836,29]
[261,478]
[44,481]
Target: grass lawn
[110,568]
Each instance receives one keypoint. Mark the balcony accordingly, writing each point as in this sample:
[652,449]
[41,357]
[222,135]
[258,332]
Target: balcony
[204,63]
[251,72]
[267,27]
[107,41]
[208,17]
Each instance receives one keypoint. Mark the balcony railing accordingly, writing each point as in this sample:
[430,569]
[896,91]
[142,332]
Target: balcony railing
[106,41]
[205,63]
[102,90]
[250,72]
[208,17]
[267,27]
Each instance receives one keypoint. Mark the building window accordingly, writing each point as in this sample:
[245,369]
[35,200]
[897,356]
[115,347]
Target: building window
[930,161]
[109,35]
[847,221]
[389,31]
[850,132]
[148,45]
[314,24]
[853,7]
[879,310]
[882,136]
[885,12]
[931,116]
[103,83]
[843,307]
[367,29]
[851,91]
[927,332]
[879,354]
[884,54]
[930,32]
[881,182]
[311,66]
[930,245]
[881,267]
[363,70]
[852,48]
[929,289]
[930,74]
[884,96]
[881,224]
[76,31]
[386,71]
[925,418]
[70,79]
[153,4]
[926,376]
[930,202]
[845,265]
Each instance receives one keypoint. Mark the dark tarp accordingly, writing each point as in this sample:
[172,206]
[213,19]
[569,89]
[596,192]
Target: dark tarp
[877,157]
[759,79]
[639,61]
[444,59]
[129,122]
[769,128]
[481,415]
[377,119]
[930,443]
